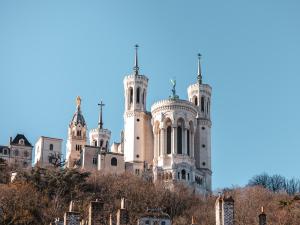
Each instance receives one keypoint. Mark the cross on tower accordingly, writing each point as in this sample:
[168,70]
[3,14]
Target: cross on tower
[100,123]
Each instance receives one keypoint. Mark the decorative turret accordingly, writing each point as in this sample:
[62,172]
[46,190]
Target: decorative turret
[200,95]
[100,136]
[76,136]
[138,147]
[78,117]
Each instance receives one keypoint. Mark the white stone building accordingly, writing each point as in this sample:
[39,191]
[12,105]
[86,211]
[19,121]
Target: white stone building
[47,150]
[173,140]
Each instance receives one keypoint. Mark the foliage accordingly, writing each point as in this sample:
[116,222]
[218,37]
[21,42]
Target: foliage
[276,183]
[40,195]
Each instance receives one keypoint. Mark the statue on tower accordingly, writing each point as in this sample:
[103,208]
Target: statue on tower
[78,101]
[173,96]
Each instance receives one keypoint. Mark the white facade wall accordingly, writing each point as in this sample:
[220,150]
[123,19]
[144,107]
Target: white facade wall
[138,140]
[44,147]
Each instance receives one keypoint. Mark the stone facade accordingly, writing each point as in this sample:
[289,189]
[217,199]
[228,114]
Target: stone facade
[18,153]
[173,141]
[47,150]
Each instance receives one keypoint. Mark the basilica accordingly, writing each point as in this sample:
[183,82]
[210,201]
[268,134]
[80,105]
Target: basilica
[171,143]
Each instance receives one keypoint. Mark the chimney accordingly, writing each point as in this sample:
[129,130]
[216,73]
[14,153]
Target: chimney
[122,214]
[193,221]
[224,210]
[262,217]
[96,213]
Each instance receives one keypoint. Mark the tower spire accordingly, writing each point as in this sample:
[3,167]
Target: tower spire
[136,64]
[199,75]
[100,122]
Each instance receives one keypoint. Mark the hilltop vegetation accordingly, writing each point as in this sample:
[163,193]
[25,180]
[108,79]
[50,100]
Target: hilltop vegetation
[40,195]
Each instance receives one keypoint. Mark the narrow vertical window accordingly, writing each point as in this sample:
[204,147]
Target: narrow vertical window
[51,147]
[183,174]
[169,129]
[196,101]
[188,141]
[138,95]
[202,104]
[179,140]
[130,95]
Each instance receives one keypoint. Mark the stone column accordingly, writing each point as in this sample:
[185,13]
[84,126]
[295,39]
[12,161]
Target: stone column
[155,144]
[163,142]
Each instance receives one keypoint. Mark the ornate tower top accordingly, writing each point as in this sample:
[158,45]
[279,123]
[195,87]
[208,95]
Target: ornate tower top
[78,101]
[78,117]
[100,122]
[199,75]
[136,66]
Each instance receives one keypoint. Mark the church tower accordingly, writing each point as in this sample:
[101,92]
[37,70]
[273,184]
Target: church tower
[200,95]
[138,137]
[76,136]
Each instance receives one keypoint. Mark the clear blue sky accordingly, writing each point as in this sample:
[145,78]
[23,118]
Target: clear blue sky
[52,51]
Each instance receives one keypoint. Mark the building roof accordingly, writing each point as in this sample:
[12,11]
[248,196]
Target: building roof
[78,118]
[16,140]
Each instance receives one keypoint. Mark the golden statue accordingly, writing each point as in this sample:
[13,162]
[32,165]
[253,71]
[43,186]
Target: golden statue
[78,101]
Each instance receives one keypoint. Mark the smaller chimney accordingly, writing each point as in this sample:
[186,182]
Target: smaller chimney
[193,221]
[262,217]
[122,203]
[71,207]
[110,219]
[122,214]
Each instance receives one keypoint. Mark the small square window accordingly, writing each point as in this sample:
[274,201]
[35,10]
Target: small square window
[203,146]
[203,128]
[138,137]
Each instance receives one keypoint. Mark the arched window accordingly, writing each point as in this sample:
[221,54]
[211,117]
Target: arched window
[51,147]
[130,95]
[106,146]
[95,143]
[79,133]
[101,143]
[114,161]
[179,140]
[196,100]
[143,99]
[183,174]
[202,104]
[188,141]
[169,129]
[16,152]
[138,95]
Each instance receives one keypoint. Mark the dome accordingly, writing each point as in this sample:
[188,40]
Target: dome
[78,118]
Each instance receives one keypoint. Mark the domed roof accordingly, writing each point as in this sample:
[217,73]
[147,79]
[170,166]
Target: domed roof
[78,117]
